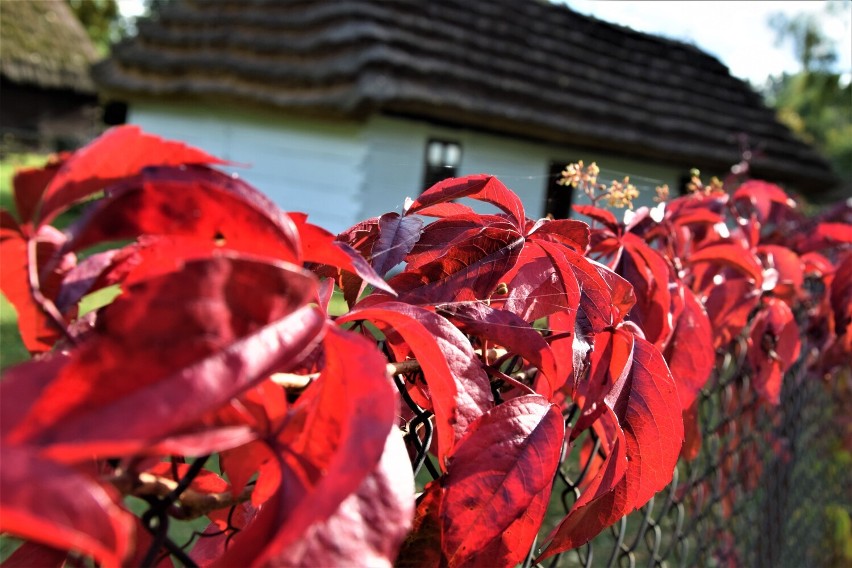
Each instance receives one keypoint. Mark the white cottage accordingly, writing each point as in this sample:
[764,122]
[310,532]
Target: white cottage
[341,109]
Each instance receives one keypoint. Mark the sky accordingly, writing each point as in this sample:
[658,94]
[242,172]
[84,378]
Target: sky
[735,31]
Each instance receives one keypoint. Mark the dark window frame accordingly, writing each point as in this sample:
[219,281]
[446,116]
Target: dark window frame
[441,160]
[557,198]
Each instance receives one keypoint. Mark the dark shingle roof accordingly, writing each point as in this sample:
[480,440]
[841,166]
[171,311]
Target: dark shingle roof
[42,43]
[520,67]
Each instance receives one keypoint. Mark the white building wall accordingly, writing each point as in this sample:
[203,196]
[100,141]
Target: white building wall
[304,165]
[395,165]
[340,173]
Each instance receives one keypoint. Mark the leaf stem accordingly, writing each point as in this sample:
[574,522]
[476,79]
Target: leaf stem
[511,380]
[46,305]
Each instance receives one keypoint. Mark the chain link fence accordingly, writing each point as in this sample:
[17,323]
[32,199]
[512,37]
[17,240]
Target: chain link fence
[771,486]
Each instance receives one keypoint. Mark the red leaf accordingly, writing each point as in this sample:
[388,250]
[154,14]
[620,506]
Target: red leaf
[789,268]
[595,450]
[23,384]
[204,482]
[481,187]
[368,527]
[444,234]
[691,432]
[328,453]
[690,352]
[569,347]
[188,340]
[609,363]
[499,482]
[761,196]
[827,235]
[243,462]
[840,296]
[602,216]
[151,255]
[361,236]
[509,331]
[606,499]
[690,211]
[31,554]
[649,273]
[466,271]
[198,439]
[649,411]
[459,389]
[605,297]
[265,409]
[448,209]
[538,286]
[397,236]
[816,265]
[120,152]
[38,330]
[52,504]
[730,255]
[85,277]
[773,347]
[216,539]
[29,185]
[646,406]
[320,246]
[192,202]
[728,306]
[573,234]
[422,547]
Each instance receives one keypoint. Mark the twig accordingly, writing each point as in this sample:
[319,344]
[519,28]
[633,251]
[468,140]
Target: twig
[296,383]
[192,504]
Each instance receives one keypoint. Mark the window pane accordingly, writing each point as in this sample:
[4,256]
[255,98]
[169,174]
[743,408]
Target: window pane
[433,154]
[452,156]
[557,201]
[442,161]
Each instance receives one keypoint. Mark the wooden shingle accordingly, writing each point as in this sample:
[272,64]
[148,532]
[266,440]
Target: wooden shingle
[524,68]
[44,45]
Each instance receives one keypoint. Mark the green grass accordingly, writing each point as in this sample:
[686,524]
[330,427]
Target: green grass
[12,350]
[8,165]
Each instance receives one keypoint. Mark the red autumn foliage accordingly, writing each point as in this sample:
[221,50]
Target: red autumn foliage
[506,337]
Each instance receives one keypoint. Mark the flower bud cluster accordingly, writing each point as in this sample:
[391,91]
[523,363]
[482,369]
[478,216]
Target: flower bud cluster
[622,193]
[618,193]
[697,186]
[578,174]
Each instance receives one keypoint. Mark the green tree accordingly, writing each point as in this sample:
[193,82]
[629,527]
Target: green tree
[815,102]
[102,20]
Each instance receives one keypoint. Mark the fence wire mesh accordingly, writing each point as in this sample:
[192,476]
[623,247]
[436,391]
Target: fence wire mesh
[767,488]
[770,486]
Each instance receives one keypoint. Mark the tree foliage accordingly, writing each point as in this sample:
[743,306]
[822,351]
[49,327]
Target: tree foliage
[102,20]
[816,102]
[479,346]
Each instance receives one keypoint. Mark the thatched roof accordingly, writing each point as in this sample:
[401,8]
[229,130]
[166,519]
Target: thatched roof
[519,67]
[43,44]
